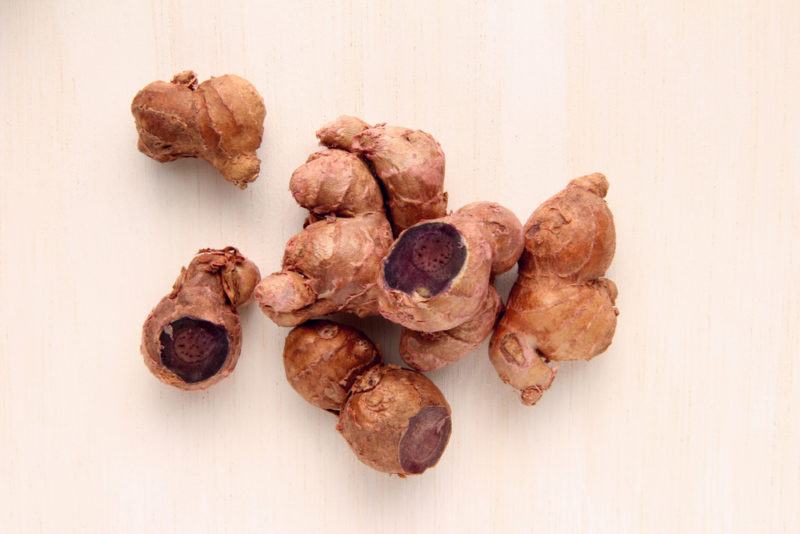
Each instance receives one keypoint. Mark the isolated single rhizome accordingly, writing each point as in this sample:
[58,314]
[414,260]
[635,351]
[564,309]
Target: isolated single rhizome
[220,120]
[561,308]
[192,338]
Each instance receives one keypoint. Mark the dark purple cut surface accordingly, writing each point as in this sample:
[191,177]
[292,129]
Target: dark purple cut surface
[426,257]
[425,439]
[194,349]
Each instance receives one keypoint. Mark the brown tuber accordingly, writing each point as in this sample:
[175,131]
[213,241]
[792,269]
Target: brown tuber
[396,421]
[323,359]
[428,351]
[436,282]
[192,338]
[560,308]
[332,264]
[409,163]
[221,121]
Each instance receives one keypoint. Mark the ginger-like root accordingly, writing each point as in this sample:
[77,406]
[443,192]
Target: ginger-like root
[428,351]
[332,264]
[436,281]
[437,273]
[192,338]
[323,359]
[221,121]
[396,421]
[560,308]
[409,163]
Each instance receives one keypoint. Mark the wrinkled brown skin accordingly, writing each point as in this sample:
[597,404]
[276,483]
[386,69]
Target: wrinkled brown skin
[335,182]
[396,421]
[332,264]
[210,289]
[442,327]
[323,359]
[490,244]
[560,308]
[409,163]
[220,121]
[428,351]
[504,231]
[341,132]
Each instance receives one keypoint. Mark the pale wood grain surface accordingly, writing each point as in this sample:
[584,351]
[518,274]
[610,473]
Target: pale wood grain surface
[689,423]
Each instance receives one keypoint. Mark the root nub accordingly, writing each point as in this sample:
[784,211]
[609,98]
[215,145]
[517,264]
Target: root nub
[194,349]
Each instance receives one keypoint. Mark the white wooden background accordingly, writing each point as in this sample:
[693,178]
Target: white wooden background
[690,422]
